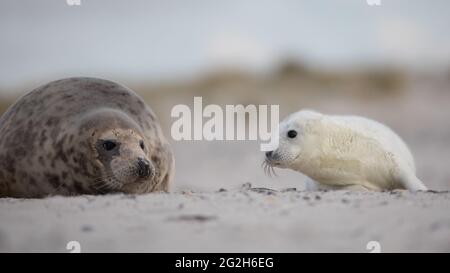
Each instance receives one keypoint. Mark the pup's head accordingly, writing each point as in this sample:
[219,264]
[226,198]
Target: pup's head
[291,140]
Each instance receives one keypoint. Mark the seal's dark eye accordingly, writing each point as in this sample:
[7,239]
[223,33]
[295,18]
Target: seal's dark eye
[292,133]
[141,144]
[109,145]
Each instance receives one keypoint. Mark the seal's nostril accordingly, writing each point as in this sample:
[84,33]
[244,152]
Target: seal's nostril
[269,154]
[144,170]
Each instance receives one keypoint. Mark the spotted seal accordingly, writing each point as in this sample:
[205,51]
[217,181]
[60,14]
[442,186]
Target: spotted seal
[82,136]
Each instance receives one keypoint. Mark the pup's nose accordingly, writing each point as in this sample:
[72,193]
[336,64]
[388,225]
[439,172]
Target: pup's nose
[269,153]
[144,169]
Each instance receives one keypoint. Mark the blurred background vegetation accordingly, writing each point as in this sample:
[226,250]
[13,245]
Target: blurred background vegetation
[292,85]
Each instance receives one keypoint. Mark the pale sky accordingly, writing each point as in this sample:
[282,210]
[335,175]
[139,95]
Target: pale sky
[139,40]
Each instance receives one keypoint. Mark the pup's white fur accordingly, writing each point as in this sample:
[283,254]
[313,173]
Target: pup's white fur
[345,152]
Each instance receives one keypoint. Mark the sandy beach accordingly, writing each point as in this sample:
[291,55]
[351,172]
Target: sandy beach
[243,219]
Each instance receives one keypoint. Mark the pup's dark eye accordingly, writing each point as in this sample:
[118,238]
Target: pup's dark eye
[141,143]
[109,145]
[292,134]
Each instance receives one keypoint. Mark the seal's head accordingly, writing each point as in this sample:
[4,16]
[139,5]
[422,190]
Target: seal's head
[288,154]
[119,154]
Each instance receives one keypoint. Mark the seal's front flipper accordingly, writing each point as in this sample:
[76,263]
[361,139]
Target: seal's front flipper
[413,183]
[311,185]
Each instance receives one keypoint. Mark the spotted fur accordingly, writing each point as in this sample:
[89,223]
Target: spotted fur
[48,141]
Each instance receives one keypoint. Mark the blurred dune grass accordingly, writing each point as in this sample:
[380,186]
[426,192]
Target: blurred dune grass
[291,85]
[287,84]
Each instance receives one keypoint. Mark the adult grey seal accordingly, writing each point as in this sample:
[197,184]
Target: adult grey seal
[82,136]
[344,152]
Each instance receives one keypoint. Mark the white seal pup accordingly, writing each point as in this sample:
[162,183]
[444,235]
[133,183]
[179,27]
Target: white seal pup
[344,152]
